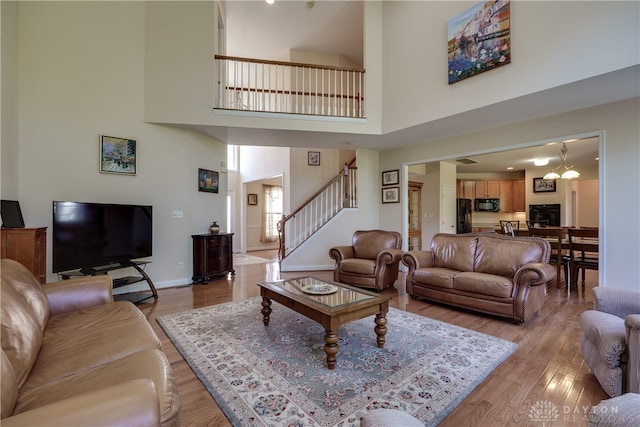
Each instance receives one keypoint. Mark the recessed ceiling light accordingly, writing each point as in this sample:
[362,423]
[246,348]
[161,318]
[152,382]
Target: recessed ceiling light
[510,168]
[541,162]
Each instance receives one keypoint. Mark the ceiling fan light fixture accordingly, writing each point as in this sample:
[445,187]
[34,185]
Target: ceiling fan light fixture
[551,175]
[570,174]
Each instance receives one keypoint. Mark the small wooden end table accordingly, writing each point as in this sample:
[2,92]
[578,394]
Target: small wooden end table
[331,310]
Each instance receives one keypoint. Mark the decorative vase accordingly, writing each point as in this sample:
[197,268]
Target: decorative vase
[214,228]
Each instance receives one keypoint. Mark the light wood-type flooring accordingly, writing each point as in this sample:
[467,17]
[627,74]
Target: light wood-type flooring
[546,368]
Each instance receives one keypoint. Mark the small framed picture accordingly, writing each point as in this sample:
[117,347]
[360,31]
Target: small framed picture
[391,195]
[117,155]
[313,158]
[541,185]
[252,199]
[391,177]
[207,181]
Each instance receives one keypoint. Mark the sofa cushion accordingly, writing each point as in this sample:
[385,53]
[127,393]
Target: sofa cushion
[607,333]
[26,284]
[358,266]
[453,251]
[504,257]
[151,364]
[484,284]
[9,391]
[21,334]
[440,277]
[368,244]
[83,339]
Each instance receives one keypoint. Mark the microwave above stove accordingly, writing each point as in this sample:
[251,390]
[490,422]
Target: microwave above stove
[487,205]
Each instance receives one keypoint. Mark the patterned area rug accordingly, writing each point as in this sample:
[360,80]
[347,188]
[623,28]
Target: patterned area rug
[277,375]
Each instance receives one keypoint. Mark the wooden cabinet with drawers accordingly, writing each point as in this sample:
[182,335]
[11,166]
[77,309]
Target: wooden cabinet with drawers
[28,246]
[212,256]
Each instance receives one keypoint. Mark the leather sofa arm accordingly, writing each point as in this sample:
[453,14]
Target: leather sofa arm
[632,326]
[340,253]
[389,256]
[417,259]
[75,294]
[535,273]
[619,302]
[132,403]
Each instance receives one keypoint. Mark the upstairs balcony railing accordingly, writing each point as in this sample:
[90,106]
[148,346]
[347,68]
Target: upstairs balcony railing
[287,87]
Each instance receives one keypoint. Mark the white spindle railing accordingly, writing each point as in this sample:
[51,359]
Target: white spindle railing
[287,87]
[336,195]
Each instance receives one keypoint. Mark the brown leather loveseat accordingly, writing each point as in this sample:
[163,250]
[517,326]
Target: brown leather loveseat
[71,356]
[500,275]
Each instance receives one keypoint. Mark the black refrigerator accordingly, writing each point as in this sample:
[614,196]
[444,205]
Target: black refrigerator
[463,211]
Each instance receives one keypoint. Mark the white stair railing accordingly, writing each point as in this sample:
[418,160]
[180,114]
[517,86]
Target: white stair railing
[319,209]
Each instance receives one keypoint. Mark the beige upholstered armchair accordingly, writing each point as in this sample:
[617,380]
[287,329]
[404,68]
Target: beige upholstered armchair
[371,261]
[611,341]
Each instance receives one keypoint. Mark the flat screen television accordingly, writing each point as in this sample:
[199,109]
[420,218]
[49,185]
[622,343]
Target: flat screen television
[88,235]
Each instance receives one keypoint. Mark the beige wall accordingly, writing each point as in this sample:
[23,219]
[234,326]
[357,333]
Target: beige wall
[9,97]
[82,74]
[542,35]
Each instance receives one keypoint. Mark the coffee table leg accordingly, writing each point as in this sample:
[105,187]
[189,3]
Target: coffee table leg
[331,347]
[266,310]
[381,329]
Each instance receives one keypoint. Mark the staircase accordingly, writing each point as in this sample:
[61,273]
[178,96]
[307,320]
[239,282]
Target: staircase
[339,193]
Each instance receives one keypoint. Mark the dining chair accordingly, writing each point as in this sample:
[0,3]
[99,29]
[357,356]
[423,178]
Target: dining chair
[508,227]
[583,253]
[555,236]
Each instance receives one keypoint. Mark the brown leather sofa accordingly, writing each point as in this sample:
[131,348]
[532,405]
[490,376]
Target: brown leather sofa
[371,261]
[491,273]
[71,356]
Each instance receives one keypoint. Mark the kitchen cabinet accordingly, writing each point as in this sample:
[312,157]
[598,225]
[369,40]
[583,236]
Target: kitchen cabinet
[487,189]
[28,246]
[512,196]
[519,204]
[212,256]
[466,189]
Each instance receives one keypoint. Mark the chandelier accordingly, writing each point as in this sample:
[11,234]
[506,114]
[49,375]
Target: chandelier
[569,172]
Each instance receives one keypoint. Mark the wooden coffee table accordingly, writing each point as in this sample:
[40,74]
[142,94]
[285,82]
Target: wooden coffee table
[331,310]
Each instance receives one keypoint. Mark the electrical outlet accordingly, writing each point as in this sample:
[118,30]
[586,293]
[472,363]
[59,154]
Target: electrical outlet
[180,265]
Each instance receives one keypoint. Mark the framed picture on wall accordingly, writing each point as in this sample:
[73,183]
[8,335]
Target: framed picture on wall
[207,181]
[117,155]
[391,195]
[252,199]
[313,158]
[541,185]
[391,177]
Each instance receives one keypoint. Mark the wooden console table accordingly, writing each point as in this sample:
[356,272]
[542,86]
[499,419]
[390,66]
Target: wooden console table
[212,256]
[28,246]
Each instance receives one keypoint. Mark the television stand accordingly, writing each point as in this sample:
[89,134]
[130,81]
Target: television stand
[119,282]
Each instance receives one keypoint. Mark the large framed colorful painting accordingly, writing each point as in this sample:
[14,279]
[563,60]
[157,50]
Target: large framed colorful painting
[479,39]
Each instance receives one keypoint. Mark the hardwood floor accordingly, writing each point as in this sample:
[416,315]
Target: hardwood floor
[547,366]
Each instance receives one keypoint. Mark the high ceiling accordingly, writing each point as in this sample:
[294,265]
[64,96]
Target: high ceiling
[258,30]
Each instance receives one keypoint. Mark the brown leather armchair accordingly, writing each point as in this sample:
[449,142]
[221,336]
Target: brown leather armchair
[371,261]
